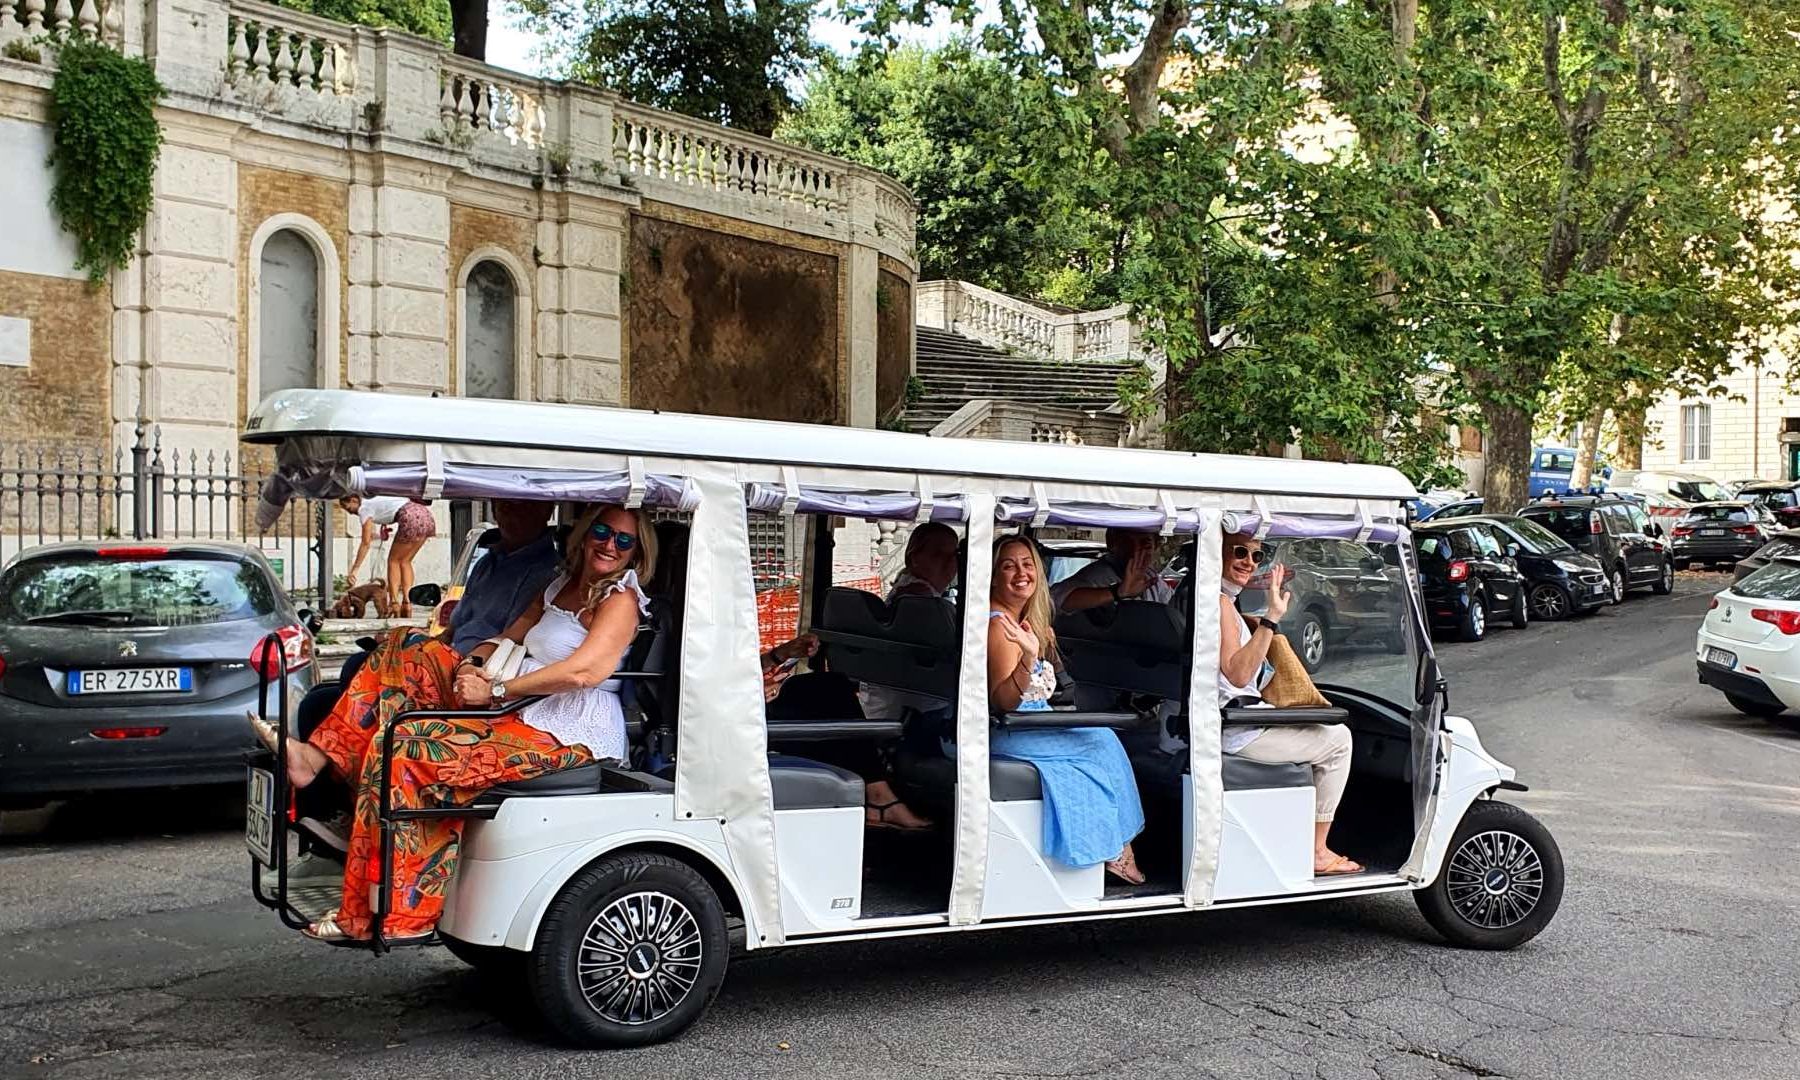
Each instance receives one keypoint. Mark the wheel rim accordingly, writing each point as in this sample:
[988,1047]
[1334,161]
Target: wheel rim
[1495,880]
[1668,576]
[1618,587]
[1548,603]
[1312,642]
[1478,617]
[640,958]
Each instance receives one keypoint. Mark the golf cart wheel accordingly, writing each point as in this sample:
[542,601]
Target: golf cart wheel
[1310,642]
[1474,620]
[1521,616]
[1665,581]
[1549,603]
[1501,882]
[631,952]
[1763,709]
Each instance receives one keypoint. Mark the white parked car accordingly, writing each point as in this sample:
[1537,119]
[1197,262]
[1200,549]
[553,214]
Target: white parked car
[1747,643]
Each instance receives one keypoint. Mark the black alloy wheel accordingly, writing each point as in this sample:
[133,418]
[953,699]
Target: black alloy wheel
[1549,603]
[1501,882]
[1665,581]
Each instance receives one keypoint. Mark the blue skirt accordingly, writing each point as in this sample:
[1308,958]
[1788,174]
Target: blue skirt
[1091,807]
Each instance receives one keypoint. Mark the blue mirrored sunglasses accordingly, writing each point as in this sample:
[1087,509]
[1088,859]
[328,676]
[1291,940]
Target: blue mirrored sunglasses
[621,539]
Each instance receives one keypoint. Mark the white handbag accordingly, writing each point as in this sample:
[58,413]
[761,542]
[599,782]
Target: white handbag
[505,661]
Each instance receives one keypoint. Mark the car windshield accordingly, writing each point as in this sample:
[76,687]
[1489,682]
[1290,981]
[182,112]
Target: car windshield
[1538,539]
[1698,490]
[1779,580]
[1719,513]
[1568,522]
[1777,499]
[85,589]
[1774,549]
[1456,510]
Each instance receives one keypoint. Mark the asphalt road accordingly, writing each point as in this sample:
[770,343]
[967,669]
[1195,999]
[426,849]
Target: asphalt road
[130,948]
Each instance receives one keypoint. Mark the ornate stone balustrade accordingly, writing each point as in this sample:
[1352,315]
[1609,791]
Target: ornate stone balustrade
[491,102]
[1008,322]
[25,20]
[661,149]
[274,46]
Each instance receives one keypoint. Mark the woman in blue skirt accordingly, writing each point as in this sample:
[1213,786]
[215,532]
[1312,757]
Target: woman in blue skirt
[1091,807]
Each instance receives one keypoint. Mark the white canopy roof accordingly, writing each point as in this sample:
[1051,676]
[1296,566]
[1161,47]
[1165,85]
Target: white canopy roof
[587,429]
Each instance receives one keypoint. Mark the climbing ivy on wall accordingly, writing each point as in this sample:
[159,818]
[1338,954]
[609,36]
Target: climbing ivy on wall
[106,140]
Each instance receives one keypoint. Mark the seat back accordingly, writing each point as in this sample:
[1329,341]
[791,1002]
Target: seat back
[912,645]
[1135,646]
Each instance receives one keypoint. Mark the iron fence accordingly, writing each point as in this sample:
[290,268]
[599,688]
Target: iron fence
[48,495]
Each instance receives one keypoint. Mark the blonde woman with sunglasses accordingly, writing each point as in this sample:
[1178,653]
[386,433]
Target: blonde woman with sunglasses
[1244,670]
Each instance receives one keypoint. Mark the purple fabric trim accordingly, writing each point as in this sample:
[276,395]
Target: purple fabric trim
[1092,516]
[1306,527]
[498,482]
[882,506]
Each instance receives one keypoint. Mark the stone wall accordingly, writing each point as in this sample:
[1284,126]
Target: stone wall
[894,340]
[54,363]
[733,326]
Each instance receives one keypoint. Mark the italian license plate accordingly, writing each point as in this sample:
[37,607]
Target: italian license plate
[140,680]
[1712,532]
[1721,657]
[259,815]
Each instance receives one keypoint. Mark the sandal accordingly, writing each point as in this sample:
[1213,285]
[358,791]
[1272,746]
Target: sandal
[327,929]
[1125,870]
[880,820]
[265,731]
[1339,864]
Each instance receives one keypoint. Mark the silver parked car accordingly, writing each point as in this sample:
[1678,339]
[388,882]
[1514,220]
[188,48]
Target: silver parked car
[131,665]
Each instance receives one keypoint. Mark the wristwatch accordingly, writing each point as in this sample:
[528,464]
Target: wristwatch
[1115,592]
[497,690]
[1271,626]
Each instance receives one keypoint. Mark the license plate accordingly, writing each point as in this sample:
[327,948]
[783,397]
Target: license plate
[1712,532]
[1601,589]
[1721,657]
[259,815]
[139,680]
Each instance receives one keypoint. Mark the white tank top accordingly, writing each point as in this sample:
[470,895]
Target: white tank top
[1235,737]
[595,717]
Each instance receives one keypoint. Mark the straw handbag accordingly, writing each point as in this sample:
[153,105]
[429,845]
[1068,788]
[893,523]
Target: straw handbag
[1290,687]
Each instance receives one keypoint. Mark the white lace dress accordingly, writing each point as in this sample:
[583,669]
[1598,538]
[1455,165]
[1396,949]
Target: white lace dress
[594,718]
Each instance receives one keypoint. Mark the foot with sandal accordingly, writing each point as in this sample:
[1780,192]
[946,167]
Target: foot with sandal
[884,809]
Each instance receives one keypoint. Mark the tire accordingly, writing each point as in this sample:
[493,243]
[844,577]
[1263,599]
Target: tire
[1501,882]
[1762,709]
[615,898]
[1521,617]
[1665,582]
[1310,642]
[1473,626]
[1616,578]
[1549,603]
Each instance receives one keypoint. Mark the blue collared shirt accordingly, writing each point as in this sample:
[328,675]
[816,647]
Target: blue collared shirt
[500,587]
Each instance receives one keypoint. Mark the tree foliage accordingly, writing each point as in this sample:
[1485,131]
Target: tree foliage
[727,61]
[1425,209]
[1009,194]
[427,18]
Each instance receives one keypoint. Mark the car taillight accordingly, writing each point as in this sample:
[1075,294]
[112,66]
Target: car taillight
[295,642]
[1714,604]
[1682,530]
[1744,530]
[1594,524]
[1459,570]
[444,611]
[132,552]
[2,667]
[127,732]
[1788,622]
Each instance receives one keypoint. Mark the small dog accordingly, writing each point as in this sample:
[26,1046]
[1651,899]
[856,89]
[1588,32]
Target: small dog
[354,604]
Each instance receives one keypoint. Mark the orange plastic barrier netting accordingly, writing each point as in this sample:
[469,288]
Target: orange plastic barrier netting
[778,610]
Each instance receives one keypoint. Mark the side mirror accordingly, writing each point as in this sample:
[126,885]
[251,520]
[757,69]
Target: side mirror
[1512,551]
[312,620]
[426,595]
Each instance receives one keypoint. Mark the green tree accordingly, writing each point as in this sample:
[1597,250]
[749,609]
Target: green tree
[727,61]
[428,18]
[1008,195]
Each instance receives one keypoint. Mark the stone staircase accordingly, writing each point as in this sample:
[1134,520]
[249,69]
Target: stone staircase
[956,370]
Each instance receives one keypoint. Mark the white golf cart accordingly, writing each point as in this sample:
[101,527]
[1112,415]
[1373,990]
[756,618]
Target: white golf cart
[615,893]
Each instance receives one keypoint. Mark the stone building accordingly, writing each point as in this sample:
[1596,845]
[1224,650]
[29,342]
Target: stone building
[339,206]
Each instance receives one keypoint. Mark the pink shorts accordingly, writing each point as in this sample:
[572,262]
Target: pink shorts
[414,522]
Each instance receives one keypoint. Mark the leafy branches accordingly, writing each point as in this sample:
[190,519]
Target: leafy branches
[103,113]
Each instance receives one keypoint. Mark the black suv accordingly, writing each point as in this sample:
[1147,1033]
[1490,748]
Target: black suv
[1342,591]
[1614,529]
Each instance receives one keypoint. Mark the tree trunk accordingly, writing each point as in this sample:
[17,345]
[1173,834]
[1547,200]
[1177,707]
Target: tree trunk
[1589,449]
[470,21]
[1629,454]
[1506,471]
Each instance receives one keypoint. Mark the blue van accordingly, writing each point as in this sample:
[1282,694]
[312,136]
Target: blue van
[1553,470]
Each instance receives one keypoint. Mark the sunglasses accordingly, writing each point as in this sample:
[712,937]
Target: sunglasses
[621,539]
[1240,551]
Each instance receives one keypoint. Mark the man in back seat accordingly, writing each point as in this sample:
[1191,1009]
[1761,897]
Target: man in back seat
[1125,572]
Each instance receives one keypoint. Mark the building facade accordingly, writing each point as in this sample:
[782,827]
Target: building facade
[1750,432]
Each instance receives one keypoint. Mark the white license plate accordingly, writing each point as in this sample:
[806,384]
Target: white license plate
[1721,657]
[131,680]
[259,815]
[1712,532]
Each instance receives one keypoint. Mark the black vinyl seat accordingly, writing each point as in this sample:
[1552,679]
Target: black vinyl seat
[798,783]
[1009,780]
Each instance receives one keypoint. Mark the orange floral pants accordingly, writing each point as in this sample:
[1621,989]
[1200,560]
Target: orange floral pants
[435,763]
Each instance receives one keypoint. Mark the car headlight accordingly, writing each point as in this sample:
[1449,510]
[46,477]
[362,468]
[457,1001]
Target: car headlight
[1570,567]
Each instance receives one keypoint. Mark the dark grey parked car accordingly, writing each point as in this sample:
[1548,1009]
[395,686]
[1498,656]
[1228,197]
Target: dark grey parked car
[128,665]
